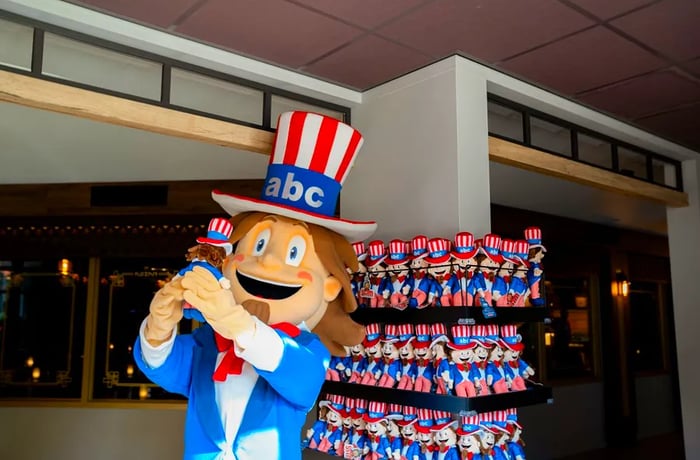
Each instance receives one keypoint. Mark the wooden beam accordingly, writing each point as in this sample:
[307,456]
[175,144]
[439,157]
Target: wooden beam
[512,154]
[55,97]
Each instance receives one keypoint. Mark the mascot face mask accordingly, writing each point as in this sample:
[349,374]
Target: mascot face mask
[276,263]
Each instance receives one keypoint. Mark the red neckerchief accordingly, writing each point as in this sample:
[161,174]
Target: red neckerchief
[444,448]
[376,360]
[376,281]
[422,362]
[497,363]
[463,366]
[232,363]
[388,360]
[470,275]
[480,364]
[401,278]
[357,358]
[406,362]
[513,364]
[374,438]
[490,277]
[419,275]
[470,456]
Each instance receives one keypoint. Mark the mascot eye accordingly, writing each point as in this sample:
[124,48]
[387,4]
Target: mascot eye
[296,251]
[261,242]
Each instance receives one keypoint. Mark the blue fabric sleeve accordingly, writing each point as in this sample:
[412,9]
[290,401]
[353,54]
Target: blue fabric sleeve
[175,375]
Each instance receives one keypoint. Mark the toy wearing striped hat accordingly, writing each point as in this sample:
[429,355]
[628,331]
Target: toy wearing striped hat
[379,447]
[373,352]
[487,435]
[337,367]
[468,442]
[391,364]
[209,253]
[501,280]
[410,448]
[533,235]
[495,369]
[462,354]
[516,369]
[515,443]
[425,437]
[358,363]
[464,253]
[445,436]
[409,369]
[500,448]
[393,432]
[477,372]
[397,263]
[441,362]
[313,434]
[518,290]
[358,444]
[358,278]
[424,365]
[345,445]
[420,282]
[440,270]
[489,259]
[379,281]
[331,438]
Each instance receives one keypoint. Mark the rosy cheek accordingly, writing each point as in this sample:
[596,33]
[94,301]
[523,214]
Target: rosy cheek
[238,258]
[305,275]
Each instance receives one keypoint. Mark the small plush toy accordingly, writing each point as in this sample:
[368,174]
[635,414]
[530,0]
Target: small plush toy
[462,355]
[440,270]
[489,259]
[410,449]
[209,253]
[516,370]
[495,369]
[345,445]
[518,290]
[409,369]
[378,277]
[392,429]
[477,373]
[515,444]
[359,281]
[313,434]
[425,371]
[500,448]
[502,278]
[358,445]
[358,363]
[445,436]
[375,418]
[487,435]
[420,282]
[424,434]
[468,443]
[373,353]
[463,257]
[331,438]
[391,363]
[533,235]
[441,363]
[337,367]
[400,282]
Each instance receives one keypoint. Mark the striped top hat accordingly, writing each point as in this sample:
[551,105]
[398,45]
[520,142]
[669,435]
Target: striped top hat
[499,420]
[376,412]
[419,246]
[373,334]
[533,236]
[398,252]
[395,412]
[491,246]
[218,234]
[360,408]
[405,332]
[508,251]
[461,335]
[310,161]
[464,246]
[409,416]
[492,335]
[350,404]
[360,251]
[438,333]
[422,336]
[479,336]
[442,419]
[377,253]
[391,333]
[512,417]
[425,420]
[486,422]
[336,403]
[520,251]
[468,424]
[510,337]
[438,251]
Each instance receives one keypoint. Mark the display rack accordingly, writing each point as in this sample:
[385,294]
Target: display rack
[451,315]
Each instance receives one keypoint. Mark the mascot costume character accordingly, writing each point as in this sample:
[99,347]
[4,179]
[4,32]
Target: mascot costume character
[255,368]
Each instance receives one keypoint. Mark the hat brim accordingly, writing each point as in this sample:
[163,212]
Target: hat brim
[454,346]
[219,243]
[351,230]
[519,346]
[438,260]
[461,432]
[403,422]
[372,262]
[420,344]
[403,343]
[367,418]
[422,255]
[390,261]
[442,426]
[370,343]
[424,429]
[464,255]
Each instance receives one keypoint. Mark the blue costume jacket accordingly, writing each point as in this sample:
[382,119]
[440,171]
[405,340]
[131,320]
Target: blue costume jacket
[276,410]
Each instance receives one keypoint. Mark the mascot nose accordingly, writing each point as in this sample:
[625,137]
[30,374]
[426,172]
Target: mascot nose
[271,262]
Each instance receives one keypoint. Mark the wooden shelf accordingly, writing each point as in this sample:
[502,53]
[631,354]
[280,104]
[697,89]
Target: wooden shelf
[451,315]
[535,394]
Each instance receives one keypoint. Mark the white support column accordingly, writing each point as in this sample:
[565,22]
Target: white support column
[424,165]
[684,248]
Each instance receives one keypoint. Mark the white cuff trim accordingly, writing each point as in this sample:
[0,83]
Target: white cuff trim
[155,356]
[263,347]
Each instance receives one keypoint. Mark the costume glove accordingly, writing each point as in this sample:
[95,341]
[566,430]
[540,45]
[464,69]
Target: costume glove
[165,313]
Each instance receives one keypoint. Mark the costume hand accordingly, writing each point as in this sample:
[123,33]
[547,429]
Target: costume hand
[405,290]
[217,305]
[165,312]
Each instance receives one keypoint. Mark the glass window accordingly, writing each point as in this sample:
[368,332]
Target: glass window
[126,289]
[16,45]
[646,327]
[550,136]
[83,63]
[42,315]
[210,95]
[504,121]
[664,173]
[631,163]
[594,151]
[282,104]
[569,339]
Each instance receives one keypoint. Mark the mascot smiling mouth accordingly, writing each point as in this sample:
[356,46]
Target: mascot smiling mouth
[266,289]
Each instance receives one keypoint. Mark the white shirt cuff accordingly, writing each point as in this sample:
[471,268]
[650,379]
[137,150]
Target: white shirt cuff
[263,347]
[155,356]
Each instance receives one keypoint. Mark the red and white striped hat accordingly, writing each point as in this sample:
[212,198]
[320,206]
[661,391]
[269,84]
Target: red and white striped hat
[425,420]
[419,246]
[423,339]
[464,247]
[360,251]
[461,338]
[469,424]
[533,235]
[442,419]
[377,253]
[218,234]
[376,411]
[398,252]
[405,333]
[373,334]
[491,246]
[311,159]
[438,251]
[410,416]
[520,250]
[395,412]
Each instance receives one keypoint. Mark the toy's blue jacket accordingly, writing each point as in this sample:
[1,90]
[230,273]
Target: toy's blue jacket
[516,451]
[276,410]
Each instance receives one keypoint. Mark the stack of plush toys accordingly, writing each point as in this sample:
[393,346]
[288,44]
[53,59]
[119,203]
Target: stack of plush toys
[438,272]
[358,429]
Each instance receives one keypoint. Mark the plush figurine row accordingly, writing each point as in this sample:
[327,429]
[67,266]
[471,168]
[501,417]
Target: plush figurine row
[357,429]
[473,361]
[437,272]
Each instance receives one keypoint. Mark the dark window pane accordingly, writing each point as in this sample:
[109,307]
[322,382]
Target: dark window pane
[126,289]
[42,317]
[645,320]
[550,136]
[664,173]
[504,121]
[594,151]
[631,163]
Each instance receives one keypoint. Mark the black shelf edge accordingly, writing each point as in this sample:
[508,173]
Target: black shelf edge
[453,315]
[535,394]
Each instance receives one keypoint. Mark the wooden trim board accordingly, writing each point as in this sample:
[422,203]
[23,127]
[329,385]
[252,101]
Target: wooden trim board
[512,154]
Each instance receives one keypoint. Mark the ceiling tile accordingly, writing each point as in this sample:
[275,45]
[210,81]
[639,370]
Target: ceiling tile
[161,13]
[645,95]
[606,9]
[584,61]
[379,13]
[671,27]
[681,125]
[367,62]
[292,36]
[490,30]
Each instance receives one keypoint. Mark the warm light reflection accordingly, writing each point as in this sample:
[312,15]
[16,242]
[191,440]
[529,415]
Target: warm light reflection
[620,287]
[65,267]
[29,362]
[143,392]
[548,338]
[36,373]
[130,370]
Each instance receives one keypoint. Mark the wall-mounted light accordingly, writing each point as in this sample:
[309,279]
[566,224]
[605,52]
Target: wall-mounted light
[130,370]
[65,267]
[29,362]
[620,286]
[36,373]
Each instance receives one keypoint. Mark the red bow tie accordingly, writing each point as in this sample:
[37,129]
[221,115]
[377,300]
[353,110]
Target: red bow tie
[507,278]
[470,275]
[480,364]
[418,275]
[490,277]
[497,363]
[422,362]
[401,278]
[376,360]
[357,358]
[513,364]
[376,281]
[232,363]
[406,362]
[470,455]
[463,366]
[444,448]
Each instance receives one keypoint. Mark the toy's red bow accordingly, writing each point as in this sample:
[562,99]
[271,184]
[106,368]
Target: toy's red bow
[232,363]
